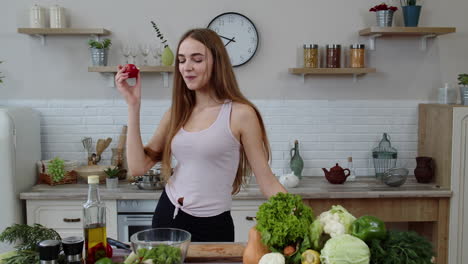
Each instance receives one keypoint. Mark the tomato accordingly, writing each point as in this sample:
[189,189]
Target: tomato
[96,253]
[109,251]
[132,70]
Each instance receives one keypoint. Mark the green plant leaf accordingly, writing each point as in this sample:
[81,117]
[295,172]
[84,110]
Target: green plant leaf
[56,168]
[104,44]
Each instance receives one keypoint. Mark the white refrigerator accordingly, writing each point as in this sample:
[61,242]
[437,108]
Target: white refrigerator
[20,149]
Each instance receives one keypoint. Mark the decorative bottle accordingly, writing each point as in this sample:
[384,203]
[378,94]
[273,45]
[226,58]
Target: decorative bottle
[94,211]
[167,58]
[296,164]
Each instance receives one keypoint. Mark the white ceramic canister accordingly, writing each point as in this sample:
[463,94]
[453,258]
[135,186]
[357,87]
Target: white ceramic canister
[37,17]
[57,16]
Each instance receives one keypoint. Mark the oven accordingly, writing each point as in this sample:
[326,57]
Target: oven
[134,216]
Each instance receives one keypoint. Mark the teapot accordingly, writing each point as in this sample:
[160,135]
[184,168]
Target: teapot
[336,175]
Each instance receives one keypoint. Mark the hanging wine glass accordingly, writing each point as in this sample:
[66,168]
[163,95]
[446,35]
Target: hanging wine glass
[133,53]
[145,50]
[125,49]
[156,51]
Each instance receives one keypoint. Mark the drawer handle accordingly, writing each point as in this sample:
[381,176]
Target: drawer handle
[71,220]
[250,218]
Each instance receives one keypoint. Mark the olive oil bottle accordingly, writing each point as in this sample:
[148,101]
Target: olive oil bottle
[94,211]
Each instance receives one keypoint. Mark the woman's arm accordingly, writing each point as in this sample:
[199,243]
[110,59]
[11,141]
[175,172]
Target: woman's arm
[142,158]
[139,158]
[251,140]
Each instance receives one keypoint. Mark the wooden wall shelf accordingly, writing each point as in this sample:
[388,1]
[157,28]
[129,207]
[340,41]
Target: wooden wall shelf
[111,70]
[64,31]
[409,31]
[331,71]
[43,32]
[423,32]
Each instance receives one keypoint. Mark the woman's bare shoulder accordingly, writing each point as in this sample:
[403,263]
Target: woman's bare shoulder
[242,111]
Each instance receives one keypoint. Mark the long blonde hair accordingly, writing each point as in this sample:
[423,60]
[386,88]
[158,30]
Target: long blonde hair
[225,87]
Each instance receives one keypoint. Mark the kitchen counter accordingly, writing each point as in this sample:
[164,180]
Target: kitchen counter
[422,207]
[309,188]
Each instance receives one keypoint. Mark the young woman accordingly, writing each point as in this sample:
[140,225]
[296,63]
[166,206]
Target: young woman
[216,135]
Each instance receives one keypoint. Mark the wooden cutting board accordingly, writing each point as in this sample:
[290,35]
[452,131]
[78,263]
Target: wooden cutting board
[215,252]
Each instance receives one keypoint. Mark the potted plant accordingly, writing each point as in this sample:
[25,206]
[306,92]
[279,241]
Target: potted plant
[411,12]
[99,50]
[384,14]
[463,82]
[112,179]
[167,57]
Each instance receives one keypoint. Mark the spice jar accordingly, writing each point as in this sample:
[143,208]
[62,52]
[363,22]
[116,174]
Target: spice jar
[48,251]
[333,59]
[311,56]
[57,16]
[73,249]
[357,56]
[37,17]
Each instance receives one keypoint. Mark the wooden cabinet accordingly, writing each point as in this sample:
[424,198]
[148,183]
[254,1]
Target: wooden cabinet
[66,217]
[243,213]
[443,135]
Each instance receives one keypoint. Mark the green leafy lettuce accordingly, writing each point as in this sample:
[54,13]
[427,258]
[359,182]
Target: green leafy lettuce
[161,254]
[284,220]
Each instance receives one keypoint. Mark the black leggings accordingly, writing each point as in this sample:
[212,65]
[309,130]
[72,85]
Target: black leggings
[219,228]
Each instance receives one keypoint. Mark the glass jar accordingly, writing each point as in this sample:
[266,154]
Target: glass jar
[333,59]
[311,56]
[357,56]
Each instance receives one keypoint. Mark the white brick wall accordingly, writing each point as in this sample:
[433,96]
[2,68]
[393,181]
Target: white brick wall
[328,131]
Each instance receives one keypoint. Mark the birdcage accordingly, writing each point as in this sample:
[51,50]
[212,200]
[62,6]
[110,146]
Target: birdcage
[385,156]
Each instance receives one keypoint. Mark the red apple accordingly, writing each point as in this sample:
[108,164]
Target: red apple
[132,70]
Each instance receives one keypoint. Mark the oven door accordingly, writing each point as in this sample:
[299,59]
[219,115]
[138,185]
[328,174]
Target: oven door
[129,224]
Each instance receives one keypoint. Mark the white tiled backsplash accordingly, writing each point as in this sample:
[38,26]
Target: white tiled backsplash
[328,131]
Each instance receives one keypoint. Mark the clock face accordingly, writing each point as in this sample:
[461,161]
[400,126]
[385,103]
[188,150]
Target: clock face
[239,35]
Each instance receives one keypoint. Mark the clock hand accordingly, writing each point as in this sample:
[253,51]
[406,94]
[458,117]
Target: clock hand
[228,38]
[231,40]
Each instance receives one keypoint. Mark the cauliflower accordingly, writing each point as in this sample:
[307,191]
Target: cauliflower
[336,221]
[272,258]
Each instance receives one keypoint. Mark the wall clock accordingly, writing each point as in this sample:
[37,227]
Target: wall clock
[239,35]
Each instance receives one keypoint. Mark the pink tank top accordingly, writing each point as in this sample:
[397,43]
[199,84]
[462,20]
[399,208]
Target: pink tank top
[207,163]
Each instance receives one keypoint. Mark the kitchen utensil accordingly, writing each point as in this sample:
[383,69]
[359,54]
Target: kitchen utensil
[149,181]
[88,146]
[336,175]
[152,238]
[118,244]
[395,177]
[122,138]
[101,145]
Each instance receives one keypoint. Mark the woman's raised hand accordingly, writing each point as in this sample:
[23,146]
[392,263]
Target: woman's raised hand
[131,93]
